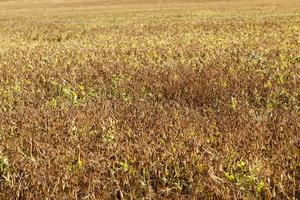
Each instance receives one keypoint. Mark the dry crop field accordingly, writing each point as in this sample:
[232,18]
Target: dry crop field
[153,99]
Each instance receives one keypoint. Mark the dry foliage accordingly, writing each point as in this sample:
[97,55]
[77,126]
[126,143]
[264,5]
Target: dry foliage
[149,99]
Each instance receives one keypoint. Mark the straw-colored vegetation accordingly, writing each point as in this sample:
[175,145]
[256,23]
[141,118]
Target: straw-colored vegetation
[111,99]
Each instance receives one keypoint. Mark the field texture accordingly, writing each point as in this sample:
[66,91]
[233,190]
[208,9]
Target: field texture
[111,99]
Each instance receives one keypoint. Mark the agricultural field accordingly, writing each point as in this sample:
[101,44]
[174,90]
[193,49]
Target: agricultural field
[150,99]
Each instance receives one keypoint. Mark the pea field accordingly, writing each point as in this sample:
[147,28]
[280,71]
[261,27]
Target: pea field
[149,99]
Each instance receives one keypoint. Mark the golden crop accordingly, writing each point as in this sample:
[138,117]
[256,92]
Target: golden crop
[149,99]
